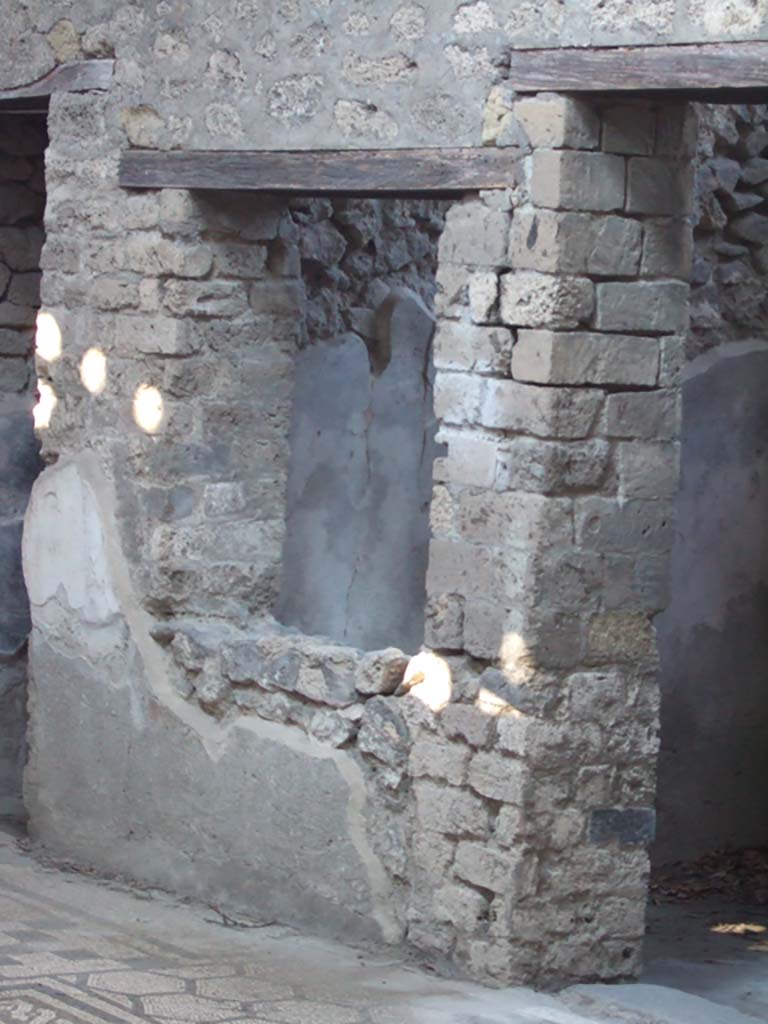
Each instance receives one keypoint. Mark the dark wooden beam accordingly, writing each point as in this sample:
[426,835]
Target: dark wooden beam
[77,76]
[719,71]
[324,172]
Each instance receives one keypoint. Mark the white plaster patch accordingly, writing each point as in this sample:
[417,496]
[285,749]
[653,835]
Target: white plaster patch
[64,547]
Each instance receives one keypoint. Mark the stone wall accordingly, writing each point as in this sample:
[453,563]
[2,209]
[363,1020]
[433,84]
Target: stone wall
[276,74]
[713,658]
[488,800]
[22,199]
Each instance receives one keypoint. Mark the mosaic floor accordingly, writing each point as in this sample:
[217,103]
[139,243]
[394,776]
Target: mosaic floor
[77,950]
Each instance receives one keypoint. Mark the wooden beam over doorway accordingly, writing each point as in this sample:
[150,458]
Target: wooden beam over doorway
[426,172]
[709,72]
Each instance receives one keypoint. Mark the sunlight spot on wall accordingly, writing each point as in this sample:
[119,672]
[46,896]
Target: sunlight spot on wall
[46,403]
[148,408]
[428,677]
[515,660]
[47,337]
[93,371]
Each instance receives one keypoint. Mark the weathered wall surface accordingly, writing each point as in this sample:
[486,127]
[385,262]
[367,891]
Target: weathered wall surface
[279,74]
[362,436]
[22,198]
[714,659]
[712,637]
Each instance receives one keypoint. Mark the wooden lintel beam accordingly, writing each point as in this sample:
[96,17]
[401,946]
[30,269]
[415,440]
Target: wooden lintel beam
[706,71]
[324,172]
[76,76]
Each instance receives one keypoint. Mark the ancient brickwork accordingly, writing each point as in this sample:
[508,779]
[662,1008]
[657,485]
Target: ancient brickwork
[22,199]
[558,348]
[487,800]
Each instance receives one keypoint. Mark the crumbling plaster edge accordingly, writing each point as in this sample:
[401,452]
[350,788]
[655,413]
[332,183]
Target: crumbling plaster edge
[214,734]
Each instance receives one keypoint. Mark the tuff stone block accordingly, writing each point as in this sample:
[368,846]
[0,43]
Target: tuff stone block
[542,412]
[545,467]
[629,129]
[659,187]
[500,871]
[667,249]
[546,357]
[530,299]
[651,416]
[552,121]
[450,811]
[475,235]
[470,459]
[655,306]
[497,777]
[577,181]
[463,346]
[648,469]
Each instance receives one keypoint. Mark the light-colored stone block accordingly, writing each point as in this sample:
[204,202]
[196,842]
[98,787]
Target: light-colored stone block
[463,346]
[470,461]
[654,415]
[483,297]
[548,357]
[553,121]
[529,464]
[474,235]
[577,181]
[531,299]
[458,397]
[648,469]
[542,412]
[667,249]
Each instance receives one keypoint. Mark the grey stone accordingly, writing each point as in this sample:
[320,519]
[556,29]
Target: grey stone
[631,827]
[384,733]
[642,306]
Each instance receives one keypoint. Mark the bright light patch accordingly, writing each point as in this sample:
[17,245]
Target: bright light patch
[148,408]
[489,702]
[47,337]
[46,403]
[515,658]
[93,371]
[743,928]
[428,678]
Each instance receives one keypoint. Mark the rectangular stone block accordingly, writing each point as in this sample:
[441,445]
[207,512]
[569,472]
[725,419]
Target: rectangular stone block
[647,469]
[437,758]
[497,870]
[470,461]
[486,622]
[667,249]
[553,121]
[629,827]
[444,622]
[542,412]
[575,243]
[530,299]
[475,235]
[654,415]
[513,519]
[608,525]
[497,777]
[450,811]
[659,187]
[467,723]
[483,296]
[654,306]
[457,567]
[155,335]
[528,464]
[463,346]
[548,357]
[577,181]
[458,397]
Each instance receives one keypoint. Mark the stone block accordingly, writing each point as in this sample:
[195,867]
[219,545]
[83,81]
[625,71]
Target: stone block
[528,464]
[501,871]
[673,360]
[514,520]
[553,121]
[654,415]
[667,249]
[648,469]
[567,413]
[444,622]
[629,827]
[485,621]
[461,906]
[659,187]
[384,733]
[437,758]
[468,723]
[475,235]
[276,298]
[653,306]
[20,248]
[244,261]
[607,525]
[620,637]
[463,346]
[677,131]
[548,357]
[615,247]
[450,811]
[181,259]
[14,374]
[381,672]
[577,181]
[629,129]
[452,291]
[575,243]
[511,733]
[458,567]
[204,298]
[470,459]
[483,297]
[497,777]
[155,335]
[458,397]
[531,299]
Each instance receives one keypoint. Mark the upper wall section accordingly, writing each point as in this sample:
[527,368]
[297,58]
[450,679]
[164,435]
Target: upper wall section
[307,74]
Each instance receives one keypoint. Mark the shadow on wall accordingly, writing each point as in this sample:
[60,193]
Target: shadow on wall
[713,639]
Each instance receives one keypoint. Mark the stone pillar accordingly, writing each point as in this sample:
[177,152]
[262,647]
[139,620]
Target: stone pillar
[562,306]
